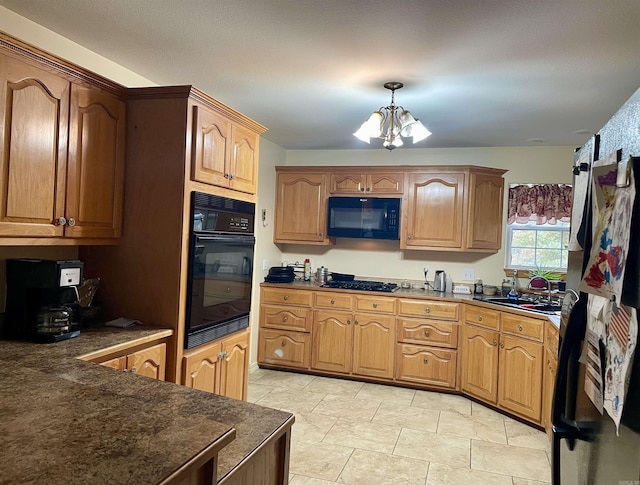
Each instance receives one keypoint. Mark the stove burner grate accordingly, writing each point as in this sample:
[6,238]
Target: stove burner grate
[362,285]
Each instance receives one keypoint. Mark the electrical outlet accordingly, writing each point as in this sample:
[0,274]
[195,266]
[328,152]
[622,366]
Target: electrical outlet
[265,264]
[468,274]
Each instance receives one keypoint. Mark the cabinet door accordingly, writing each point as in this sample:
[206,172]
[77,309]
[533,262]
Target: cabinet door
[427,365]
[288,349]
[211,147]
[200,368]
[331,342]
[34,107]
[480,363]
[373,345]
[434,211]
[149,362]
[118,363]
[385,183]
[520,379]
[95,182]
[244,166]
[484,226]
[347,183]
[234,371]
[301,208]
[549,381]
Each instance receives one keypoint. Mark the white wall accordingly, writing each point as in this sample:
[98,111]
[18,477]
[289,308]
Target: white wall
[28,31]
[383,259]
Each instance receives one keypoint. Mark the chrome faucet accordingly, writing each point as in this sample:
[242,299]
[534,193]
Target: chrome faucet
[548,286]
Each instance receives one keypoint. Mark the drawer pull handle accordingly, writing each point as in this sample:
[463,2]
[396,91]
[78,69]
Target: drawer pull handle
[283,343]
[375,305]
[479,318]
[520,329]
[133,369]
[427,310]
[228,290]
[426,361]
[284,319]
[427,333]
[286,297]
[495,342]
[333,302]
[502,345]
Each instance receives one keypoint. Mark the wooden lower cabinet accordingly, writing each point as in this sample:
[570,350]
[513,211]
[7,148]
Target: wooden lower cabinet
[480,363]
[373,345]
[280,347]
[426,365]
[520,377]
[332,341]
[220,367]
[549,380]
[149,362]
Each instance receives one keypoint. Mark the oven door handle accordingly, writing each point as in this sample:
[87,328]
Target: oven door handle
[224,238]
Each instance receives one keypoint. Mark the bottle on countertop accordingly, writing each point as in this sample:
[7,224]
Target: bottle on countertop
[307,270]
[449,284]
[478,287]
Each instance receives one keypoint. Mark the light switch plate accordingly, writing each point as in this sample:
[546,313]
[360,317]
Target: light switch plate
[468,274]
[265,264]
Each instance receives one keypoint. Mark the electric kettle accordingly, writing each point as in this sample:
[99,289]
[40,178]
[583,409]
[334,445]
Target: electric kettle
[440,281]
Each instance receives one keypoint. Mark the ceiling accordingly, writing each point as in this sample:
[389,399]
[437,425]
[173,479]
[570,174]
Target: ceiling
[476,73]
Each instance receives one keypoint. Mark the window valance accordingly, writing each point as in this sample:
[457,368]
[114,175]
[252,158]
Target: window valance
[541,203]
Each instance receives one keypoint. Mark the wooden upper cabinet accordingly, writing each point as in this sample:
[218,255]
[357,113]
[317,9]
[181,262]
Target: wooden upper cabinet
[357,183]
[33,147]
[301,208]
[434,210]
[224,154]
[95,180]
[484,220]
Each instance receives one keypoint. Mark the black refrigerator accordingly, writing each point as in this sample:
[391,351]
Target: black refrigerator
[587,447]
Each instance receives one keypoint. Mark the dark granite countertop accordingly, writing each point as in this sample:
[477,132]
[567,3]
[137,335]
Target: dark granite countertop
[67,421]
[420,293]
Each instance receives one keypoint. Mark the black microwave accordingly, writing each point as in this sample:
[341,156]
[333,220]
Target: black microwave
[364,217]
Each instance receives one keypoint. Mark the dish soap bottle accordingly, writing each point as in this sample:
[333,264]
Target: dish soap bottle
[307,270]
[513,293]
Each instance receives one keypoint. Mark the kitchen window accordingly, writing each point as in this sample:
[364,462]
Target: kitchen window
[538,221]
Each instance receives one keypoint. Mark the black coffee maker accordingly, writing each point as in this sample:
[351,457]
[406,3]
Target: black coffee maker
[42,296]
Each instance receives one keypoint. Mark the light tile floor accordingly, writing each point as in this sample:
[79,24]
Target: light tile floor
[358,433]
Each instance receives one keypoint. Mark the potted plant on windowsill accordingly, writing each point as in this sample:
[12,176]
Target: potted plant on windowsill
[538,277]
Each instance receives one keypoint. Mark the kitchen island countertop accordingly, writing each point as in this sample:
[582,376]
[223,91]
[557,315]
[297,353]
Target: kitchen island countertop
[66,421]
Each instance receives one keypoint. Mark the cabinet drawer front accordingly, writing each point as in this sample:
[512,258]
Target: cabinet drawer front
[285,296]
[376,304]
[429,309]
[482,316]
[434,333]
[551,337]
[424,365]
[341,301]
[291,349]
[522,326]
[285,318]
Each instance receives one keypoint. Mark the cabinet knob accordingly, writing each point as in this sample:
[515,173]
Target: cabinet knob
[520,329]
[425,360]
[333,302]
[321,234]
[375,305]
[284,319]
[427,333]
[286,297]
[361,189]
[355,322]
[283,343]
[427,310]
[61,221]
[479,318]
[227,175]
[495,342]
[133,369]
[408,237]
[228,290]
[71,222]
[348,322]
[502,345]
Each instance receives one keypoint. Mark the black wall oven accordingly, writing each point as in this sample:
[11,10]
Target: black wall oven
[220,267]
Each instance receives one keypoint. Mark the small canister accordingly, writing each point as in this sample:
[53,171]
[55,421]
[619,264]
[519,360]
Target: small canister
[322,274]
[478,287]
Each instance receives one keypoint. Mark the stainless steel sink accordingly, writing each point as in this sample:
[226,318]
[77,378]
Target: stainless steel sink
[540,307]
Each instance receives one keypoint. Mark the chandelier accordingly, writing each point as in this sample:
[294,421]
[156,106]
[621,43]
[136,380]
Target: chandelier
[392,123]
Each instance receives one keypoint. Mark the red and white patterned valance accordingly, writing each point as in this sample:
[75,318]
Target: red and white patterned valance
[542,203]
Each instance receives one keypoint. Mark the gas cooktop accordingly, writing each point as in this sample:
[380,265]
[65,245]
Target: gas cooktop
[362,285]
